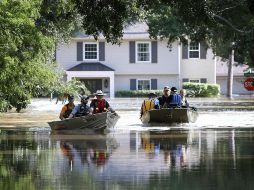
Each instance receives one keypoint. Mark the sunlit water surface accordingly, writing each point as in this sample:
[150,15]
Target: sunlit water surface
[216,152]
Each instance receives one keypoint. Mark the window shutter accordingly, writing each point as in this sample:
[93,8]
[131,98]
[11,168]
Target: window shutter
[79,51]
[153,84]
[184,51]
[132,51]
[203,50]
[185,80]
[133,84]
[203,80]
[101,51]
[154,52]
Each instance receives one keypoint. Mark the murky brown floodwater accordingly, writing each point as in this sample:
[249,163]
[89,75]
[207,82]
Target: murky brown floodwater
[217,152]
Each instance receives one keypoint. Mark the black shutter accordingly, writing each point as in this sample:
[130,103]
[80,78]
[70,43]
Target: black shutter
[133,84]
[185,80]
[184,51]
[101,51]
[203,50]
[153,84]
[203,80]
[154,52]
[132,51]
[79,51]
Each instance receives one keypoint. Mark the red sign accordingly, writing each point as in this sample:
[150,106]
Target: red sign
[249,84]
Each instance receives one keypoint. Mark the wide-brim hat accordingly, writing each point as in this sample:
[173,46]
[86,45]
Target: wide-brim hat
[99,93]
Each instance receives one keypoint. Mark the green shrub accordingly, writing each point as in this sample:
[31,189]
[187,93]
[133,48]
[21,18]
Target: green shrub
[136,93]
[201,89]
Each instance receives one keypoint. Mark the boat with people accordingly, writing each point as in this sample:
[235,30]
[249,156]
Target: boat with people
[170,115]
[97,122]
[171,107]
[98,116]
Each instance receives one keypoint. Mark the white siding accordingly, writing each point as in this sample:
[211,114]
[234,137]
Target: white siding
[199,68]
[122,82]
[117,57]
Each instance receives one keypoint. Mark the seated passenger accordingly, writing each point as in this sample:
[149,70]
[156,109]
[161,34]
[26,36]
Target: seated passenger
[164,99]
[67,108]
[99,104]
[151,103]
[185,103]
[81,109]
[175,99]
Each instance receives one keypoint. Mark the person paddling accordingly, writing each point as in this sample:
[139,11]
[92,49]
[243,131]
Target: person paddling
[67,108]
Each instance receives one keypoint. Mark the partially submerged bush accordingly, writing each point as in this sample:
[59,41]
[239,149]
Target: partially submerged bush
[202,89]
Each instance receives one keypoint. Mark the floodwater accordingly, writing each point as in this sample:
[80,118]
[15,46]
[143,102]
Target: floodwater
[216,152]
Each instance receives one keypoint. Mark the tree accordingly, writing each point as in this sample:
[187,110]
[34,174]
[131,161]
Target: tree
[220,23]
[29,30]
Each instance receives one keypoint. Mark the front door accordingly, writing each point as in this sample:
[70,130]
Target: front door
[92,84]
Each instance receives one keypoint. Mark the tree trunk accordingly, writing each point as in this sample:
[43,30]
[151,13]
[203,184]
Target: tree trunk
[230,74]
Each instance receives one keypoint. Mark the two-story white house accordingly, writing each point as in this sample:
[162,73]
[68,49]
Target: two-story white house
[138,63]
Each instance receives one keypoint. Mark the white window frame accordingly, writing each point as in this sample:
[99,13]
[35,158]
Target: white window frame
[190,80]
[97,44]
[150,83]
[194,50]
[150,51]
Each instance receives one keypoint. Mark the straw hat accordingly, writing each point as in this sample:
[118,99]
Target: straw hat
[99,93]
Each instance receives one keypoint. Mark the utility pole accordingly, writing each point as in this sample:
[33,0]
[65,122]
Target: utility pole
[230,72]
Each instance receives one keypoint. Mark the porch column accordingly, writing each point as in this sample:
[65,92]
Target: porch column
[112,85]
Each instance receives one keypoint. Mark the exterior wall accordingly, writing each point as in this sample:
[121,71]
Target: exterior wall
[200,68]
[238,87]
[66,55]
[117,57]
[122,82]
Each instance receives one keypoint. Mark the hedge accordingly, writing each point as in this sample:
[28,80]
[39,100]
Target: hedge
[201,89]
[193,90]
[136,93]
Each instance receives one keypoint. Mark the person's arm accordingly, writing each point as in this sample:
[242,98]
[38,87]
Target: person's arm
[64,109]
[92,106]
[74,111]
[107,106]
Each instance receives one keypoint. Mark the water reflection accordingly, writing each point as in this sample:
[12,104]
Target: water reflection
[181,159]
[93,150]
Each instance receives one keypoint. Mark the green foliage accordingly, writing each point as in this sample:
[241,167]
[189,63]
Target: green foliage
[217,22]
[26,68]
[136,93]
[74,87]
[201,89]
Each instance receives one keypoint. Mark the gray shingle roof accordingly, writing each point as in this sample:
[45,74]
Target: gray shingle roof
[91,66]
[137,30]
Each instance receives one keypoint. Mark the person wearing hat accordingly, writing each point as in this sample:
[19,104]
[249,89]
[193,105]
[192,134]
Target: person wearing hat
[81,109]
[175,99]
[67,108]
[99,104]
[165,98]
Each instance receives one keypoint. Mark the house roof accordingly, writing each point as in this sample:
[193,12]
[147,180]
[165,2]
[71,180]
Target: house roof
[90,66]
[222,69]
[134,31]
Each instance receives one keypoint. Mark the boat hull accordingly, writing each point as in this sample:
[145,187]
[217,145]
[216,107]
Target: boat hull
[170,115]
[96,122]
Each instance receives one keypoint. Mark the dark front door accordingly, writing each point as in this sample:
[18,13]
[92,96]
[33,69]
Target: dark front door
[93,84]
